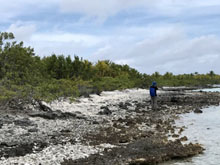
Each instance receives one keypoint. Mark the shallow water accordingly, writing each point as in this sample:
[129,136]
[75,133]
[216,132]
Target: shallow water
[209,90]
[205,129]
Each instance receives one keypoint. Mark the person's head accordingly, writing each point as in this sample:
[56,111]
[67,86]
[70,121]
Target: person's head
[154,83]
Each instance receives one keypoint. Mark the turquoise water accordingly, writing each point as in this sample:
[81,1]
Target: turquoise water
[203,128]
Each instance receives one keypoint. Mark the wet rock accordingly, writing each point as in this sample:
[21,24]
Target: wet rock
[172,130]
[183,138]
[181,130]
[175,135]
[197,110]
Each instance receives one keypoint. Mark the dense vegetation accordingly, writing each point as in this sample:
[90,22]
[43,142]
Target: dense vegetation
[25,75]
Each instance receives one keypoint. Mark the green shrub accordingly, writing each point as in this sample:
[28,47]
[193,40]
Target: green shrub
[54,89]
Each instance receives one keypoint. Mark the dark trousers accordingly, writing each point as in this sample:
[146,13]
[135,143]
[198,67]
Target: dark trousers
[154,102]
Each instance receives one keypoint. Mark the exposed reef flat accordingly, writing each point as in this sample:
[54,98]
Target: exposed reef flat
[112,128]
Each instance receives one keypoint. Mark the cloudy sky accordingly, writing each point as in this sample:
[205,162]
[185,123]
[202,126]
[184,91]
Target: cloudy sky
[179,36]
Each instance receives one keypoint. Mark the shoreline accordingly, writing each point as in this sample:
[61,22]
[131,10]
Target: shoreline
[116,127]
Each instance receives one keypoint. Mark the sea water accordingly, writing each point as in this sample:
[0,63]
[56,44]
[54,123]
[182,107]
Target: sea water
[202,128]
[209,90]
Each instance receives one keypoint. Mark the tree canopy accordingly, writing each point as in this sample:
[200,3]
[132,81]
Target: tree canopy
[22,73]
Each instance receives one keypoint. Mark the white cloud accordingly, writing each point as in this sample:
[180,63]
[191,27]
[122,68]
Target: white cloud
[165,50]
[64,43]
[98,8]
[13,8]
[87,40]
[22,32]
[59,48]
[101,52]
[105,8]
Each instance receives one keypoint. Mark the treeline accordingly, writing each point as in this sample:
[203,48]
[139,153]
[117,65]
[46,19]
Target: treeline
[193,79]
[23,74]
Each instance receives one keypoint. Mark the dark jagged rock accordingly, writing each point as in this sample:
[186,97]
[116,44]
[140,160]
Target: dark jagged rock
[123,141]
[146,151]
[65,131]
[51,115]
[95,122]
[14,150]
[175,135]
[104,107]
[197,110]
[128,103]
[33,130]
[123,106]
[105,111]
[174,99]
[24,122]
[45,115]
[140,105]
[184,138]
[133,132]
[66,115]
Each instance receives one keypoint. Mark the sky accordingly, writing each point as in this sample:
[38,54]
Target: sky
[178,36]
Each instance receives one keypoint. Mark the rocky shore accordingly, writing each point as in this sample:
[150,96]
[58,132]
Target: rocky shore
[112,128]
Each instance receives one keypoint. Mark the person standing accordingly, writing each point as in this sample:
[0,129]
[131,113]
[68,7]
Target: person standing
[153,94]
